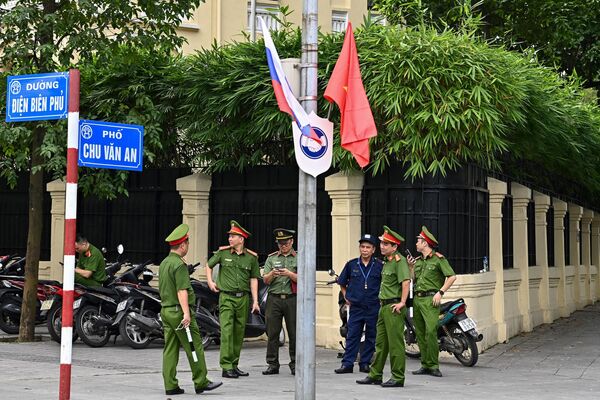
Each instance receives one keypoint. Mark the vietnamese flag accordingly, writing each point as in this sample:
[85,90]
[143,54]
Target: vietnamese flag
[346,89]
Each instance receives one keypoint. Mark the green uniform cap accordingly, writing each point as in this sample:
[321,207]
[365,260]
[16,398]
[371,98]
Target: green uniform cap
[237,229]
[283,234]
[390,236]
[178,235]
[428,236]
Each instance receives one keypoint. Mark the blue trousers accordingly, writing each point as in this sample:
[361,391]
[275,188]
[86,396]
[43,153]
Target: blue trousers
[362,318]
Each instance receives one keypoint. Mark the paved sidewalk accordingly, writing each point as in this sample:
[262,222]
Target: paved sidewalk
[557,361]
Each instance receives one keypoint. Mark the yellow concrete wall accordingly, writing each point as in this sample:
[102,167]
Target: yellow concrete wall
[224,21]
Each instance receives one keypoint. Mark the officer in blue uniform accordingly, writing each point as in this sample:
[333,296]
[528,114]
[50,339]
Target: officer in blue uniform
[360,280]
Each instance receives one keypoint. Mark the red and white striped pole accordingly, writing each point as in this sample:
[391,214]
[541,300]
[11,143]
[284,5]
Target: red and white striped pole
[66,335]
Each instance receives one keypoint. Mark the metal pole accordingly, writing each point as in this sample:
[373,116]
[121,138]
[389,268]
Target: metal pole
[253,20]
[66,333]
[307,219]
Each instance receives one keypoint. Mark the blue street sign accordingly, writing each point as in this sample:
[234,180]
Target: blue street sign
[37,97]
[111,145]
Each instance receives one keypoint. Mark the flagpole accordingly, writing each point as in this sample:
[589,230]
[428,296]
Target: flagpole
[307,219]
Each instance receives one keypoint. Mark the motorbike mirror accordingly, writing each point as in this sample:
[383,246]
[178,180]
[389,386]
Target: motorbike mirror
[120,249]
[104,251]
[331,272]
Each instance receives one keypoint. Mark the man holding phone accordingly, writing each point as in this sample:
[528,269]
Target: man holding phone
[280,274]
[433,277]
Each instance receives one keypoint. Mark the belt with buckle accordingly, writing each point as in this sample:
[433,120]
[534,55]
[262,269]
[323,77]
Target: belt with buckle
[389,301]
[426,294]
[283,295]
[235,294]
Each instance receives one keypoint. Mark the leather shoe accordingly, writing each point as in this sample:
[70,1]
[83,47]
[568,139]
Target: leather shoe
[293,369]
[209,387]
[435,372]
[240,372]
[369,381]
[421,371]
[230,373]
[344,370]
[271,371]
[392,383]
[365,368]
[177,390]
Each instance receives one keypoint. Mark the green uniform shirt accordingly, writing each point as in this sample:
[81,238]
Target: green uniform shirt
[173,275]
[431,273]
[93,260]
[235,269]
[394,272]
[281,284]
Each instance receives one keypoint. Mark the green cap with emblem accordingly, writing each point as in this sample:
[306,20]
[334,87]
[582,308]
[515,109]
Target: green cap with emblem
[427,236]
[237,229]
[390,236]
[179,235]
[283,234]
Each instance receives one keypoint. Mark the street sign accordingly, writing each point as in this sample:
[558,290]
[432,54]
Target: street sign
[37,97]
[111,145]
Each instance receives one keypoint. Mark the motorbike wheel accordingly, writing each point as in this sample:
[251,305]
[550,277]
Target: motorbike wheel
[132,335]
[207,339]
[411,348]
[84,323]
[470,354]
[9,323]
[54,323]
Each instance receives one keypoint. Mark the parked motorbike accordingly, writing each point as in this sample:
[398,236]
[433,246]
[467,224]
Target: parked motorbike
[457,334]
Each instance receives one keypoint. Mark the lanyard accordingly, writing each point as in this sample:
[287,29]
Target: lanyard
[369,267]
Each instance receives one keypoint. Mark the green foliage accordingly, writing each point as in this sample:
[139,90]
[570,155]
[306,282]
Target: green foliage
[97,37]
[440,99]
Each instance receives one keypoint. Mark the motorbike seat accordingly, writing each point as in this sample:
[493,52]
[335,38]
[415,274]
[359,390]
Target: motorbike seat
[100,289]
[444,307]
[148,289]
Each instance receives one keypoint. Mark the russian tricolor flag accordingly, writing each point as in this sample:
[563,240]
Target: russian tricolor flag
[285,98]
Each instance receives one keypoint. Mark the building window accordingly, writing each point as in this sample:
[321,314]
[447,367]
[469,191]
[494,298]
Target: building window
[339,20]
[267,12]
[378,18]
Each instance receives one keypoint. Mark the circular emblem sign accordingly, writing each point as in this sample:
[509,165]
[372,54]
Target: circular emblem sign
[86,132]
[15,87]
[311,148]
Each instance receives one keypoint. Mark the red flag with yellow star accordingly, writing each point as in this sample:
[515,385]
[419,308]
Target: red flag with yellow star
[346,89]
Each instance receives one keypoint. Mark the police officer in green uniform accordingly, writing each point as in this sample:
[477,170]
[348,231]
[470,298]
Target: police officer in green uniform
[176,295]
[280,274]
[90,269]
[433,277]
[238,276]
[395,279]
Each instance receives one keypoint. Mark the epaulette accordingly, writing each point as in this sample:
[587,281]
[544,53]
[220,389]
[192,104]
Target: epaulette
[224,248]
[398,258]
[252,252]
[440,255]
[273,253]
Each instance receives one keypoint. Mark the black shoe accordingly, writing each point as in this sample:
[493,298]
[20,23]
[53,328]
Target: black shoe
[230,373]
[209,387]
[369,381]
[392,383]
[293,370]
[271,371]
[365,368]
[177,390]
[435,372]
[421,371]
[344,370]
[240,372]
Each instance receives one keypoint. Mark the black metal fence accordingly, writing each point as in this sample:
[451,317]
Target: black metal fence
[507,233]
[262,199]
[531,233]
[550,236]
[454,208]
[140,221]
[567,235]
[14,217]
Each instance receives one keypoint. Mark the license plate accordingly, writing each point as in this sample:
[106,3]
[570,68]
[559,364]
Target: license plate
[76,304]
[467,324]
[121,306]
[46,305]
